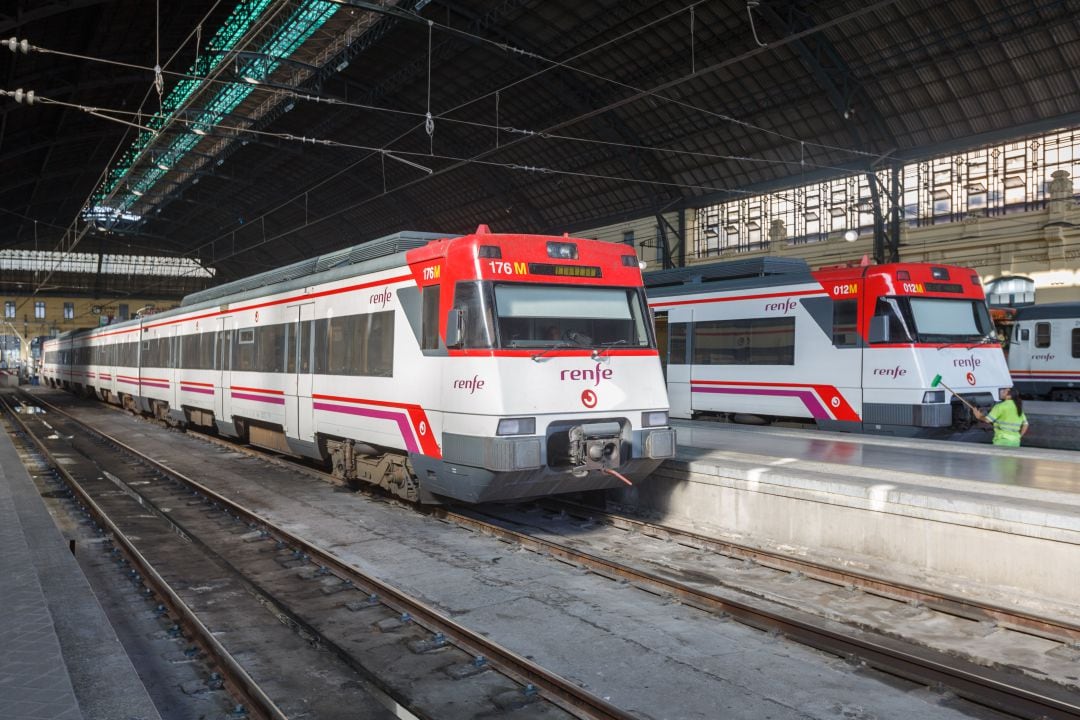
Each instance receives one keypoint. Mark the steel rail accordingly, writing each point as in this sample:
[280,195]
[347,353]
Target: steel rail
[241,685]
[928,668]
[550,686]
[1014,619]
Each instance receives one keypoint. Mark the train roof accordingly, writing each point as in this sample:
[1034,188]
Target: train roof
[1049,311]
[361,254]
[372,256]
[750,272]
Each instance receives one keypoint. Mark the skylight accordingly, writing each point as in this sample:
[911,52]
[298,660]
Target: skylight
[127,265]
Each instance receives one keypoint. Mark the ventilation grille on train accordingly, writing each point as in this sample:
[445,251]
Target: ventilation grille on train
[381,247]
[732,270]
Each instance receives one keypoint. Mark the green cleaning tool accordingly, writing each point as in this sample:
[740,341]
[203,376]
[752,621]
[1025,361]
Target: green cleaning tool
[937,381]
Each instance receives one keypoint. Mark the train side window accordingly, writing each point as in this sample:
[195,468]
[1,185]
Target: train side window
[752,341]
[226,345]
[320,339]
[338,335]
[244,352]
[898,329]
[379,345]
[270,349]
[845,331]
[1042,335]
[305,346]
[1025,334]
[1076,342]
[677,333]
[475,304]
[429,339]
[290,348]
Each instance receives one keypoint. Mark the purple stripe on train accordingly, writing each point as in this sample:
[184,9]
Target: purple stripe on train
[273,400]
[163,386]
[399,418]
[204,391]
[809,399]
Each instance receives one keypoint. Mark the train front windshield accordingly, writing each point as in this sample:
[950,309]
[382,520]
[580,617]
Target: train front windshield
[936,320]
[546,316]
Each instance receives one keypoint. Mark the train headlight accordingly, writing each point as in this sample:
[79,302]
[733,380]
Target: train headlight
[516,426]
[654,418]
[933,396]
[562,250]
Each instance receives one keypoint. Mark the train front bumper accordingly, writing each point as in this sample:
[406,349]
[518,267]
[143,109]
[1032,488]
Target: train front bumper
[571,458]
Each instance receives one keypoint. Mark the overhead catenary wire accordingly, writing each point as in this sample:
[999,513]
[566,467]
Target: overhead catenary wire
[532,168]
[72,228]
[583,116]
[428,121]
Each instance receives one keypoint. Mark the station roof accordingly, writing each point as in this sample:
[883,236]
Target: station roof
[285,129]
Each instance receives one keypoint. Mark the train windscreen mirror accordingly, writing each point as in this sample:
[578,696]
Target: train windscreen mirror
[939,273]
[455,324]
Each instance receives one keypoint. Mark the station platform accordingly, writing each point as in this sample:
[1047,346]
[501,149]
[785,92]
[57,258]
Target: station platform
[61,658]
[953,516]
[1053,424]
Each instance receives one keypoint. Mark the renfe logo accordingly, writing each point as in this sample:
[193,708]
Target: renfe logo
[595,374]
[471,384]
[968,362]
[782,307]
[381,298]
[893,372]
[1047,357]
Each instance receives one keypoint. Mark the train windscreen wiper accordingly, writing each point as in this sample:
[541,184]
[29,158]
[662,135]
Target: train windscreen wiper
[553,348]
[604,347]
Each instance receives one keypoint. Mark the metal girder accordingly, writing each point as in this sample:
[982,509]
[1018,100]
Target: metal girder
[42,11]
[569,87]
[845,92]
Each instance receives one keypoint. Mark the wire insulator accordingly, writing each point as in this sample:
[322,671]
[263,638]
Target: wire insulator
[16,45]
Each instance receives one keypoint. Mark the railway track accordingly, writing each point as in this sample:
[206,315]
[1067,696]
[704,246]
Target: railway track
[1003,690]
[158,518]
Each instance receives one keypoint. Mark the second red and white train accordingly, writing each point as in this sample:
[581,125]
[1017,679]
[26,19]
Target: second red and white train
[850,348]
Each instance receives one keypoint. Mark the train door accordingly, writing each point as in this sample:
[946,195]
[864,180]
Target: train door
[299,413]
[175,372]
[222,363]
[660,329]
[1020,348]
[679,370]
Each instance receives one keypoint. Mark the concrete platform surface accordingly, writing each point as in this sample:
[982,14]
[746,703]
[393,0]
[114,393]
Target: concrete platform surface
[61,657]
[1024,467]
[989,519]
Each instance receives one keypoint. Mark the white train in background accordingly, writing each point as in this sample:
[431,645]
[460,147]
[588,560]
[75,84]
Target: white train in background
[849,348]
[1044,351]
[486,367]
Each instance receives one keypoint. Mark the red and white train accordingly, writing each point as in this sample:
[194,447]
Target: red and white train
[486,367]
[852,348]
[1044,351]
